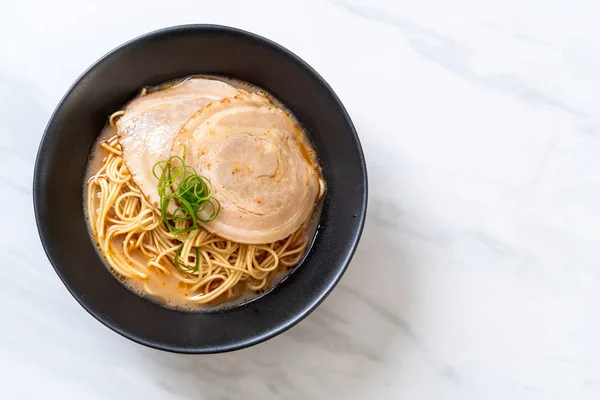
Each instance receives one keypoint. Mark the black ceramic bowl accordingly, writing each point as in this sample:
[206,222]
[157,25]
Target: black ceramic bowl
[115,79]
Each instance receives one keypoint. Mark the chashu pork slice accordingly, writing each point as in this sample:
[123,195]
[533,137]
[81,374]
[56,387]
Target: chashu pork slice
[151,122]
[251,151]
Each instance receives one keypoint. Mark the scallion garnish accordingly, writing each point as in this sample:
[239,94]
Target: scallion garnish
[185,270]
[190,193]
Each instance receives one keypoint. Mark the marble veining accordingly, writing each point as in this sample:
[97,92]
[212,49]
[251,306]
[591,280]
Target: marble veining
[478,273]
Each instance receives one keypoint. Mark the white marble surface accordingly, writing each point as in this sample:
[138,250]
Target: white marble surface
[478,275]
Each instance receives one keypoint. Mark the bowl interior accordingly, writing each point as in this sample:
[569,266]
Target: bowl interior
[115,79]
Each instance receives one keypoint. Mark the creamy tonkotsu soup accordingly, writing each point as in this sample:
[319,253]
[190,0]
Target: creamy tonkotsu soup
[203,192]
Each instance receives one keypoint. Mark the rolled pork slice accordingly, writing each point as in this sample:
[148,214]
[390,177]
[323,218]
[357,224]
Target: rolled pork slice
[251,151]
[151,122]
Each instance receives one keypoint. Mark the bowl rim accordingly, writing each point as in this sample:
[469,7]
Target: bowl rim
[279,328]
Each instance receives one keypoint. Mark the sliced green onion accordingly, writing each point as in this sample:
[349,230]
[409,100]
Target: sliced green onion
[190,192]
[186,270]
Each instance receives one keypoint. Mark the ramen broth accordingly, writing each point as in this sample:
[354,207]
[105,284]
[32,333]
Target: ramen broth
[166,289]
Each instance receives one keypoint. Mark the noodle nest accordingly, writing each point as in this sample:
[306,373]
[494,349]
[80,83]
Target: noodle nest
[137,244]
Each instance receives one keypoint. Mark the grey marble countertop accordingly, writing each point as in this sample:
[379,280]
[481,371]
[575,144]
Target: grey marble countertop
[478,274]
